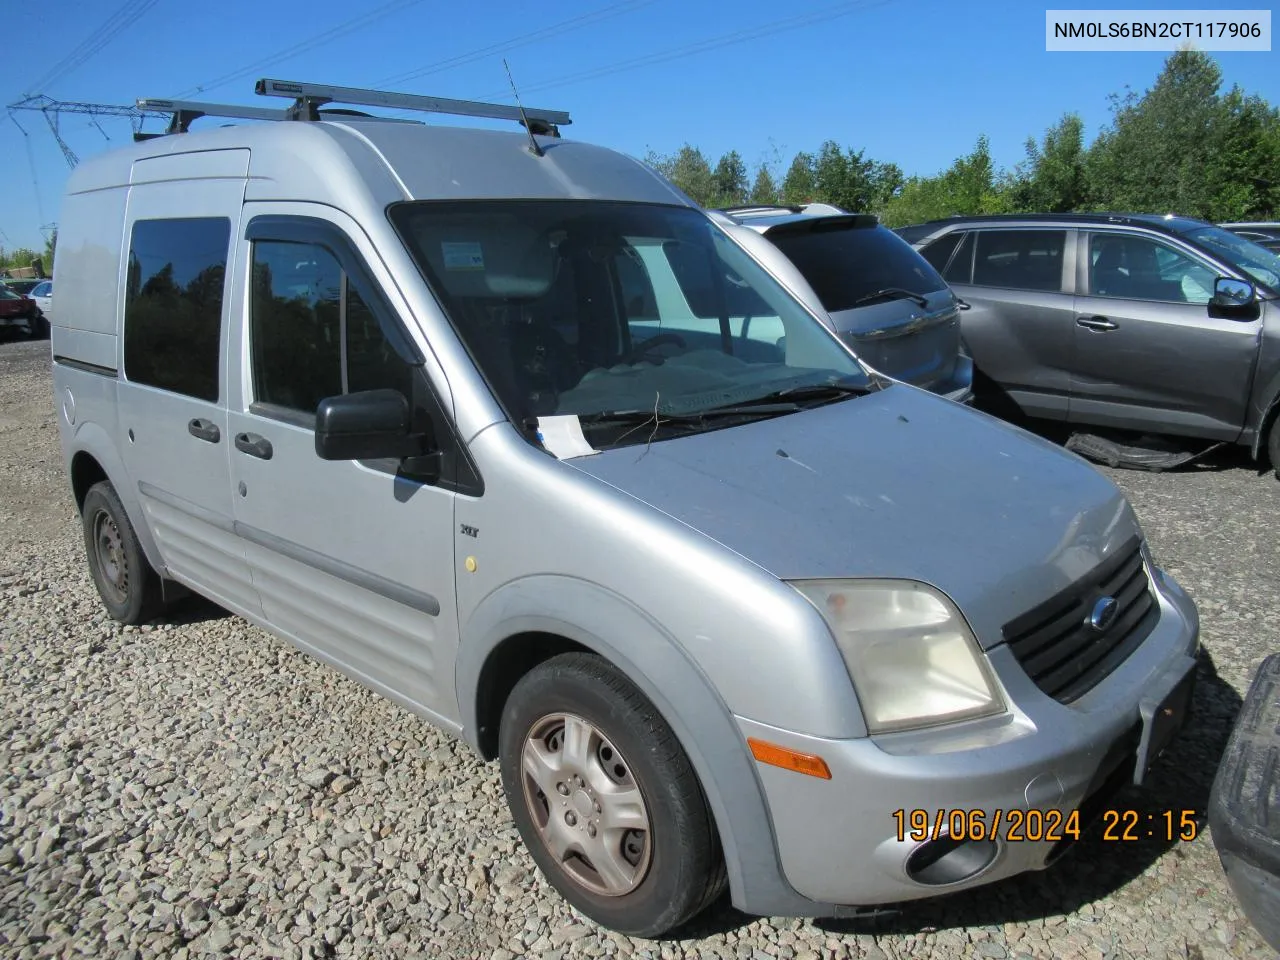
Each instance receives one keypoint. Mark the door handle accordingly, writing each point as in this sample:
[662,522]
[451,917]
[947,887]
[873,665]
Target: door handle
[961,304]
[1097,323]
[254,445]
[203,429]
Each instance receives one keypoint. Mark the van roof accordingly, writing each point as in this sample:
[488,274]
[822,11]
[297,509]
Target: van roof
[392,161]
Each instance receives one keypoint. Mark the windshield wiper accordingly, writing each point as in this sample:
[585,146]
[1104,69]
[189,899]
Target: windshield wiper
[751,408]
[813,391]
[892,293]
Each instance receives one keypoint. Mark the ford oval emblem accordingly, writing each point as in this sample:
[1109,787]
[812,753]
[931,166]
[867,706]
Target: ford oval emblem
[1104,613]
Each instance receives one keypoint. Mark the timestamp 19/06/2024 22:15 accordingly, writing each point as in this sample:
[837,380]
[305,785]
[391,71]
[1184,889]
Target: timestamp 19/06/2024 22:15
[1043,825]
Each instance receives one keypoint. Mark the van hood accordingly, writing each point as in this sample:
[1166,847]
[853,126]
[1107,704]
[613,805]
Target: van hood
[896,484]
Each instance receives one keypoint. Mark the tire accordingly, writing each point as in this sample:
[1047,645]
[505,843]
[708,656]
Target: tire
[128,586]
[630,765]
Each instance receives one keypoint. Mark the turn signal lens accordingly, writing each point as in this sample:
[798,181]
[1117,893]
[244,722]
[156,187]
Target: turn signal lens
[777,756]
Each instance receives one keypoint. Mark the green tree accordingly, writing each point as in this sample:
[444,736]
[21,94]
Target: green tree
[692,174]
[18,257]
[1244,172]
[798,186]
[729,181]
[1161,151]
[763,189]
[1052,178]
[970,185]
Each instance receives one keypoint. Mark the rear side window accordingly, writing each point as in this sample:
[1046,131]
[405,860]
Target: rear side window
[173,304]
[939,252]
[311,333]
[960,270]
[1020,259]
[847,264]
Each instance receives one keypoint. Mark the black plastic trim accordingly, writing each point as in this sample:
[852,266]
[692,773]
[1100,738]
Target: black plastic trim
[85,367]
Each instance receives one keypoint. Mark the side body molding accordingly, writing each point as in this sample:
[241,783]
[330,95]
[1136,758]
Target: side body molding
[598,619]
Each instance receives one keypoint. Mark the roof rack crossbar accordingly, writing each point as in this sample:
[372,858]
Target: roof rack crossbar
[185,111]
[309,97]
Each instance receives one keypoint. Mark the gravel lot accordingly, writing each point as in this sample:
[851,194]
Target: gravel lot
[198,787]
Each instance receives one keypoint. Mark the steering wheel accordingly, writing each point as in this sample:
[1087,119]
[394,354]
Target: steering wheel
[640,349]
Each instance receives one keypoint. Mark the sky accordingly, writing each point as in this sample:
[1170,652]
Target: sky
[914,82]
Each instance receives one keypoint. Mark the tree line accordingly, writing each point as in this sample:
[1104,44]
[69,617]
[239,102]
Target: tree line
[22,257]
[1183,146]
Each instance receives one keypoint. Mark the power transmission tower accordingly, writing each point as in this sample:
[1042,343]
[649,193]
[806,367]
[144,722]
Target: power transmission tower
[53,108]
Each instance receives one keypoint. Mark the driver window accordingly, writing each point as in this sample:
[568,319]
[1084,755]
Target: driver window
[311,334]
[1140,268]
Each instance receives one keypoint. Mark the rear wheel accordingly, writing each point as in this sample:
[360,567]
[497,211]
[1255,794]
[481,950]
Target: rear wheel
[605,798]
[128,586]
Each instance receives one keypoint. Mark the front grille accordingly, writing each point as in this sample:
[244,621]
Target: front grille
[1061,651]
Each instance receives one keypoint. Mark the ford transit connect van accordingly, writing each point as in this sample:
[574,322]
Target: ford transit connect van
[727,608]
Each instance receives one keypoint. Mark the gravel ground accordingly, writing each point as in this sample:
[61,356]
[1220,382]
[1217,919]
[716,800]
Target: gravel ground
[199,788]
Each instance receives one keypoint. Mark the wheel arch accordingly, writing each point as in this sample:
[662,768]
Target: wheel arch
[91,457]
[527,621]
[1266,423]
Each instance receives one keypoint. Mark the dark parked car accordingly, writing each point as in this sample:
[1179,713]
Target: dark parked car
[18,312]
[885,300]
[1121,324]
[22,285]
[1244,804]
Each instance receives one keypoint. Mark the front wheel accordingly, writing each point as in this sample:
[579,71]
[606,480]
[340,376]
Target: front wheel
[605,798]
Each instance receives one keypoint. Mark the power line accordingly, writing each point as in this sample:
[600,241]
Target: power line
[124,17]
[35,182]
[702,46]
[564,26]
[311,43]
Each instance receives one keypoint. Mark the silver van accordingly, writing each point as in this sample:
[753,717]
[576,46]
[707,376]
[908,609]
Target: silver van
[728,609]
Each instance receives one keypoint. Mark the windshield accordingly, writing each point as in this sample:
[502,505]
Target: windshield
[7,294]
[1258,262]
[845,264]
[592,308]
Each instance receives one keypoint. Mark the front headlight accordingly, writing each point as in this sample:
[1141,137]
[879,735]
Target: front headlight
[912,658]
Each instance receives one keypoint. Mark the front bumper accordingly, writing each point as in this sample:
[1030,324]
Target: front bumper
[839,840]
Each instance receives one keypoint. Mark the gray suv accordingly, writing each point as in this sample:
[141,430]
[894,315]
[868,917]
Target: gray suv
[883,298]
[1159,325]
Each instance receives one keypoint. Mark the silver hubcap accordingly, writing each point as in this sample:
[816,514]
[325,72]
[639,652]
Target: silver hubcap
[586,805]
[111,558]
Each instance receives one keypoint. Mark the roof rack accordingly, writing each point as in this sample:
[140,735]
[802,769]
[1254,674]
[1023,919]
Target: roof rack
[310,97]
[185,111]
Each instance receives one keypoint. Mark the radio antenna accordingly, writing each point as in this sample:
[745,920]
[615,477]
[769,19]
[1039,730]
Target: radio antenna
[533,143]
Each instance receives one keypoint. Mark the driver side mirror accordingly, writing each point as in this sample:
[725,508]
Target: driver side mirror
[367,425]
[1229,292]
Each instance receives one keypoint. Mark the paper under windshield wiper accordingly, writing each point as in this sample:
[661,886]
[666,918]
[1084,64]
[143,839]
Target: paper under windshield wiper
[892,293]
